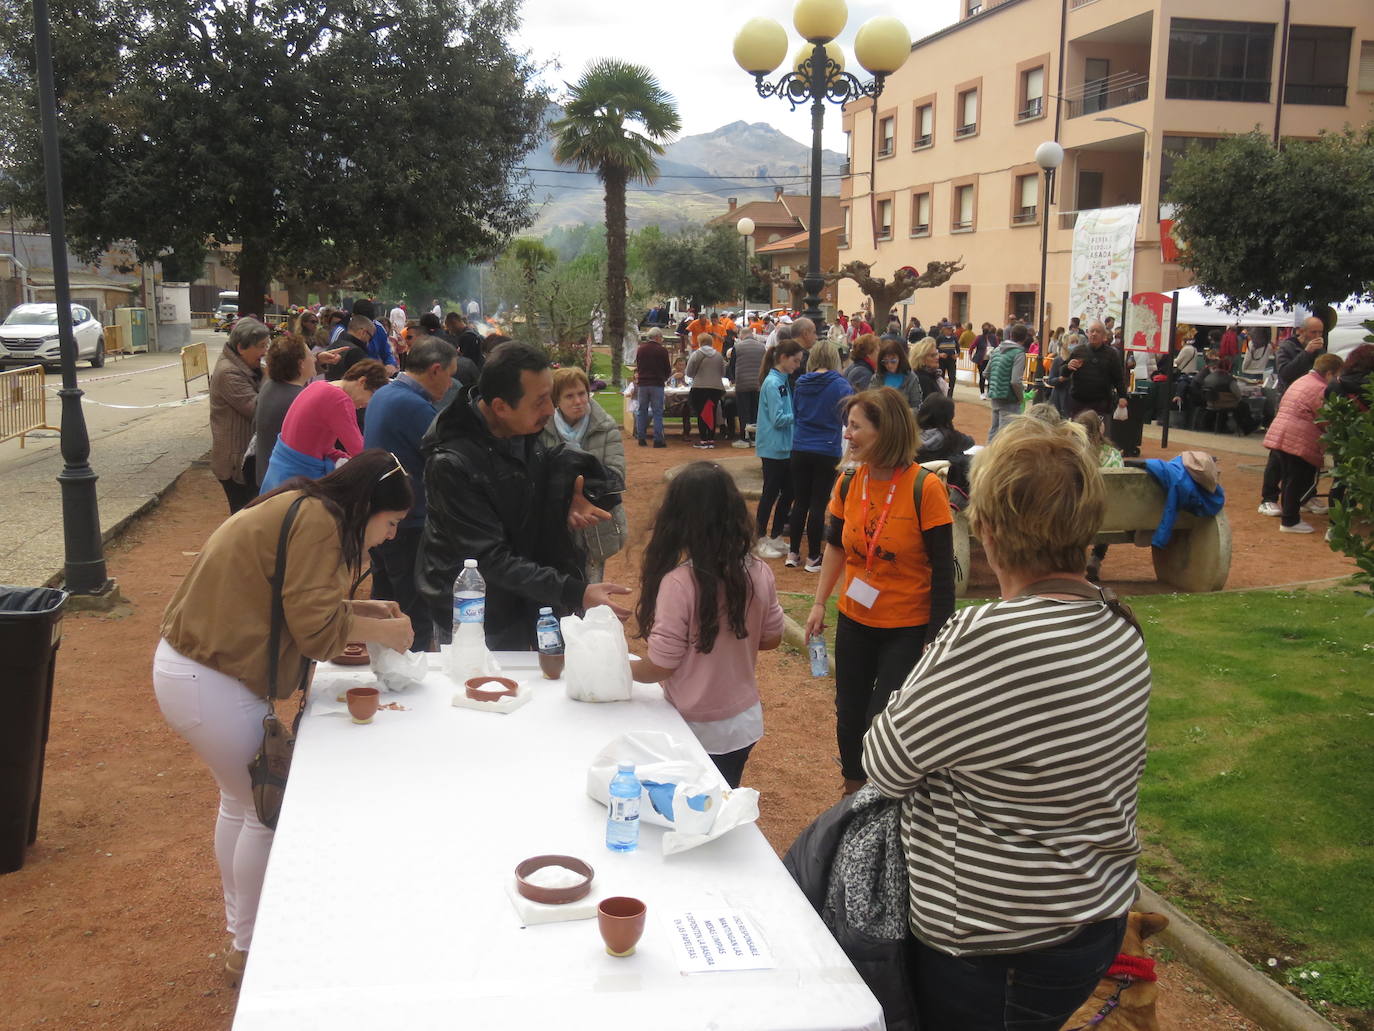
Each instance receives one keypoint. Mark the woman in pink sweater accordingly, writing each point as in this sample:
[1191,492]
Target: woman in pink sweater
[321,426]
[1297,439]
[708,606]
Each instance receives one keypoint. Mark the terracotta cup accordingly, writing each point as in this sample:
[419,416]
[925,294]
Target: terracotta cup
[621,922]
[362,703]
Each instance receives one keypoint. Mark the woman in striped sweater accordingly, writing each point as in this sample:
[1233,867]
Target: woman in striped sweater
[1016,745]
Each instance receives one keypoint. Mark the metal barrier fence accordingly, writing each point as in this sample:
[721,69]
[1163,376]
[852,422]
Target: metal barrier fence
[23,403]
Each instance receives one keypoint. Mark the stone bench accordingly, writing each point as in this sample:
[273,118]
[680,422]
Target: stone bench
[1197,558]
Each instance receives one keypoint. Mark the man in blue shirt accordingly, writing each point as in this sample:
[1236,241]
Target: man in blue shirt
[397,418]
[379,346]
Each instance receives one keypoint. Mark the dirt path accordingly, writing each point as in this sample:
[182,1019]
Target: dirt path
[114,922]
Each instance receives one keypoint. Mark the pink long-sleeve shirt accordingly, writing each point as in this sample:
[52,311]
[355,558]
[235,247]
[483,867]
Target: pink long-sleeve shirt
[320,420]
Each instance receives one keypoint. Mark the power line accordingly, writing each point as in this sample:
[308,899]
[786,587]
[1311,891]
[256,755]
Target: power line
[798,176]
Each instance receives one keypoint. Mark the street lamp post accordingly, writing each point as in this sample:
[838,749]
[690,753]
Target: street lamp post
[882,46]
[745,228]
[85,555]
[1049,156]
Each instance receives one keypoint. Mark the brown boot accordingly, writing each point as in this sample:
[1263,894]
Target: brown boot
[234,967]
[851,786]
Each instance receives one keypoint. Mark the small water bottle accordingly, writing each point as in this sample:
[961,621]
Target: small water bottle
[622,822]
[468,653]
[820,665]
[549,640]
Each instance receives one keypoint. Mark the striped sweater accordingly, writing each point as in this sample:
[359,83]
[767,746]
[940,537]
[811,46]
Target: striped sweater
[1017,744]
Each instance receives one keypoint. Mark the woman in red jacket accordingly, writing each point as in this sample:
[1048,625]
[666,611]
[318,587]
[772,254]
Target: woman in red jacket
[1296,438]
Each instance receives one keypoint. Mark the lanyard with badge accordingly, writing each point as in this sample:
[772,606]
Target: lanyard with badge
[859,590]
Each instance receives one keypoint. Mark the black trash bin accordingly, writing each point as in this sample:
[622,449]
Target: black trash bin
[1127,433]
[30,632]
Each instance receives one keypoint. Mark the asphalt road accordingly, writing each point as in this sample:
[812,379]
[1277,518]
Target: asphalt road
[143,433]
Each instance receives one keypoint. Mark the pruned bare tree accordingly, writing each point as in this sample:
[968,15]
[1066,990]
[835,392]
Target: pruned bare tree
[772,277]
[905,281]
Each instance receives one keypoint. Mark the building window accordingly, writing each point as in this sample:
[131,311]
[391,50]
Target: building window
[1174,148]
[887,130]
[1027,199]
[925,126]
[1219,60]
[958,300]
[844,233]
[884,220]
[1089,189]
[1366,84]
[920,214]
[1318,63]
[968,113]
[1032,94]
[963,208]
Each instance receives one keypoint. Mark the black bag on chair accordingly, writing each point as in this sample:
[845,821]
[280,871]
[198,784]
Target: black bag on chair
[270,766]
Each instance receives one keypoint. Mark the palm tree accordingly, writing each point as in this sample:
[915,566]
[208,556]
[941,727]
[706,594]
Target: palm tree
[617,121]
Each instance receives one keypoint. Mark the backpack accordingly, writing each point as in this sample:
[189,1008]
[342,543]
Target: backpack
[999,374]
[916,489]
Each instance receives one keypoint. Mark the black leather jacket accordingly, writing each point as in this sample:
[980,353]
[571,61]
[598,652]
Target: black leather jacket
[505,503]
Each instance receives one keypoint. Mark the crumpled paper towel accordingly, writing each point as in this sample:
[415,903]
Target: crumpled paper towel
[398,671]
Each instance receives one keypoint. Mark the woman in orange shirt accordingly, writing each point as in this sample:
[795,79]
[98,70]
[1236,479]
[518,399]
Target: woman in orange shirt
[892,550]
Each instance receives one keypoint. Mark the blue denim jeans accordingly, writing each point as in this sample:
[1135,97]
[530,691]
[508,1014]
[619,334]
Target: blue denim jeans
[649,397]
[1022,991]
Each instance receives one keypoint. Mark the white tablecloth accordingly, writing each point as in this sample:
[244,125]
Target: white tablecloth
[385,903]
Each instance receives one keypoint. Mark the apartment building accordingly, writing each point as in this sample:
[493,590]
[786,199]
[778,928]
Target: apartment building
[942,163]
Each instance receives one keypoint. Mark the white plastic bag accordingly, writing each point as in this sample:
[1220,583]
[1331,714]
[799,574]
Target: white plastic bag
[596,664]
[1120,414]
[679,780]
[398,671]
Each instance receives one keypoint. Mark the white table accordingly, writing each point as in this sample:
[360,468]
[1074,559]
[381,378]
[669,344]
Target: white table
[385,902]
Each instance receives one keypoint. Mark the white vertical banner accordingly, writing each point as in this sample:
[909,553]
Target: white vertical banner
[1103,261]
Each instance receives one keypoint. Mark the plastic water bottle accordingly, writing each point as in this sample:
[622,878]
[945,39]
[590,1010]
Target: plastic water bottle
[820,665]
[622,822]
[549,640]
[468,655]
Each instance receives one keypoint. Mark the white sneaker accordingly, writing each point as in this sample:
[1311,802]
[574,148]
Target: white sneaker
[764,549]
[1316,506]
[1328,534]
[780,543]
[741,444]
[813,565]
[1269,508]
[793,560]
[1299,527]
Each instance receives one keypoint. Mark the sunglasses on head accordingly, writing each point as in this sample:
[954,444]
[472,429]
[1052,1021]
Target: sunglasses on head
[398,468]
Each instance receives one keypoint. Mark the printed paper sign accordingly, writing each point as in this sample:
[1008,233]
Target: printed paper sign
[718,939]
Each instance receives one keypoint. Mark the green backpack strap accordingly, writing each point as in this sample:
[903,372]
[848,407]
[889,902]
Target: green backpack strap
[916,491]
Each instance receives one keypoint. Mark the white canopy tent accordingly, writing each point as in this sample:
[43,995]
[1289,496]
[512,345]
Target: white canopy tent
[1194,310]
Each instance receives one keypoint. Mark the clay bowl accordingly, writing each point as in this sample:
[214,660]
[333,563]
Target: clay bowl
[620,919]
[354,654]
[491,689]
[362,703]
[553,896]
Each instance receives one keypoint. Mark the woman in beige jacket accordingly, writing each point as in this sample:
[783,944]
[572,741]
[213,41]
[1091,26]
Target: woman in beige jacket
[210,671]
[233,401]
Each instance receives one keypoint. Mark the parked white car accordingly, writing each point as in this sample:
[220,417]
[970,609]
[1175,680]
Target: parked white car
[29,334]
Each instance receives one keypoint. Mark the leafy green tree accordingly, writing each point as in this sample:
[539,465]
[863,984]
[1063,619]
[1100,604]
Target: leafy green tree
[705,266]
[328,139]
[1268,228]
[618,119]
[556,300]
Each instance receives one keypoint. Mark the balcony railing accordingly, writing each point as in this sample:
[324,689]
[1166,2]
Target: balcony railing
[1096,98]
[966,130]
[1301,93]
[1024,216]
[884,232]
[844,168]
[922,141]
[844,239]
[1033,109]
[885,149]
[962,225]
[922,229]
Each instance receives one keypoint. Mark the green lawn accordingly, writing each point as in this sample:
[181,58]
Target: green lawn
[1257,804]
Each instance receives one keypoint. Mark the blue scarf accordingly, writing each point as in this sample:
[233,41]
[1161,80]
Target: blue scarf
[574,433]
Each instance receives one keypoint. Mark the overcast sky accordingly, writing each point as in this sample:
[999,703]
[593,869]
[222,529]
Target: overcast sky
[688,46]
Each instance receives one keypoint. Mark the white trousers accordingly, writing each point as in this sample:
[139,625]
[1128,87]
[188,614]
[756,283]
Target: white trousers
[222,722]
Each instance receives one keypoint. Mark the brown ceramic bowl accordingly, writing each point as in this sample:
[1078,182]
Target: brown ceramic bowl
[553,896]
[362,703]
[491,689]
[354,654]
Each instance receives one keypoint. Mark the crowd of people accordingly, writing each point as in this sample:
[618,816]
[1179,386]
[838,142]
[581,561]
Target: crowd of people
[404,450]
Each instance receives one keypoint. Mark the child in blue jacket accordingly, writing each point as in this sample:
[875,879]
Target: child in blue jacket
[773,444]
[817,442]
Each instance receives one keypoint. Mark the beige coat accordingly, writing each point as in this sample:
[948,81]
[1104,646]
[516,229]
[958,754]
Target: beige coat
[221,614]
[233,400]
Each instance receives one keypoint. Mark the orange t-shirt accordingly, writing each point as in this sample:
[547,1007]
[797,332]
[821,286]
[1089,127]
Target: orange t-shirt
[900,570]
[699,326]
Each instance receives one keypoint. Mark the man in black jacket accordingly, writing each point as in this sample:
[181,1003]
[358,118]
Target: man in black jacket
[1097,379]
[497,494]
